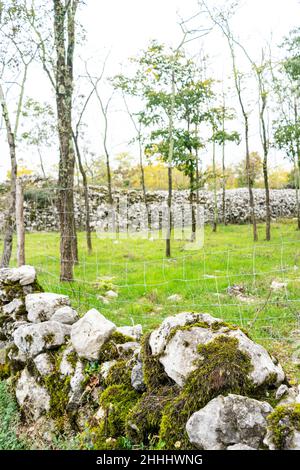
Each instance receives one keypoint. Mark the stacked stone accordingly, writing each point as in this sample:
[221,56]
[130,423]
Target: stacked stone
[45,217]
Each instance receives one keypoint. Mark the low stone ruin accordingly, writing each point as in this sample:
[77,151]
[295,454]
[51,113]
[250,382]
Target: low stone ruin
[40,209]
[195,382]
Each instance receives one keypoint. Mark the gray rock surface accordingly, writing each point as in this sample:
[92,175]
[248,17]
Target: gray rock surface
[230,420]
[31,396]
[66,315]
[32,339]
[44,364]
[137,377]
[90,333]
[134,331]
[24,275]
[40,307]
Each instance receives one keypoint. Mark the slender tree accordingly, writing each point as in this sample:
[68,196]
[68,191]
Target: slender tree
[104,107]
[16,55]
[220,19]
[76,138]
[128,87]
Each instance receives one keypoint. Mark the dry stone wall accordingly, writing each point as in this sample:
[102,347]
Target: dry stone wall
[41,213]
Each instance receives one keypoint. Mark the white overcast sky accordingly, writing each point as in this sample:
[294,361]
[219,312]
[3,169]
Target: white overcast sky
[123,27]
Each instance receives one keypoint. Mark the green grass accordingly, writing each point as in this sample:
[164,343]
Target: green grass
[144,278]
[9,420]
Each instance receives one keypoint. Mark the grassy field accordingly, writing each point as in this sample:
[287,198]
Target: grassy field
[144,279]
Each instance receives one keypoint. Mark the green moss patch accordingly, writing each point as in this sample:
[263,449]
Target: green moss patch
[143,423]
[109,350]
[58,389]
[119,374]
[221,369]
[117,401]
[282,422]
[154,373]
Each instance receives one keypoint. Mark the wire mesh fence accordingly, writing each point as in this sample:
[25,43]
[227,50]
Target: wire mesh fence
[256,286]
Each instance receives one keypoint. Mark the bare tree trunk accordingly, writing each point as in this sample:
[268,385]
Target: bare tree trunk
[109,183]
[223,186]
[297,184]
[215,221]
[144,189]
[170,160]
[265,144]
[141,150]
[192,204]
[223,169]
[65,15]
[10,215]
[222,23]
[249,179]
[169,221]
[20,224]
[197,172]
[86,197]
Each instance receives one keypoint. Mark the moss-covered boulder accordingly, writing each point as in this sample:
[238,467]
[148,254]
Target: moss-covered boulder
[176,344]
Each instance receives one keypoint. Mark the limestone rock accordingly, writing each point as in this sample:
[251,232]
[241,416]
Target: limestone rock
[134,331]
[230,420]
[65,315]
[240,447]
[128,348]
[66,366]
[90,333]
[291,395]
[42,306]
[110,294]
[24,275]
[276,285]
[43,364]
[284,428]
[159,337]
[9,327]
[137,377]
[32,339]
[281,391]
[76,386]
[105,368]
[175,298]
[179,351]
[33,398]
[14,307]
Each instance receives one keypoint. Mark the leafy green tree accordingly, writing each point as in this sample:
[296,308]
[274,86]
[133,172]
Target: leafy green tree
[160,73]
[255,172]
[286,87]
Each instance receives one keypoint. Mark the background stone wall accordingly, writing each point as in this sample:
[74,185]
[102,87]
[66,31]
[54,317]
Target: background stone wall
[41,213]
